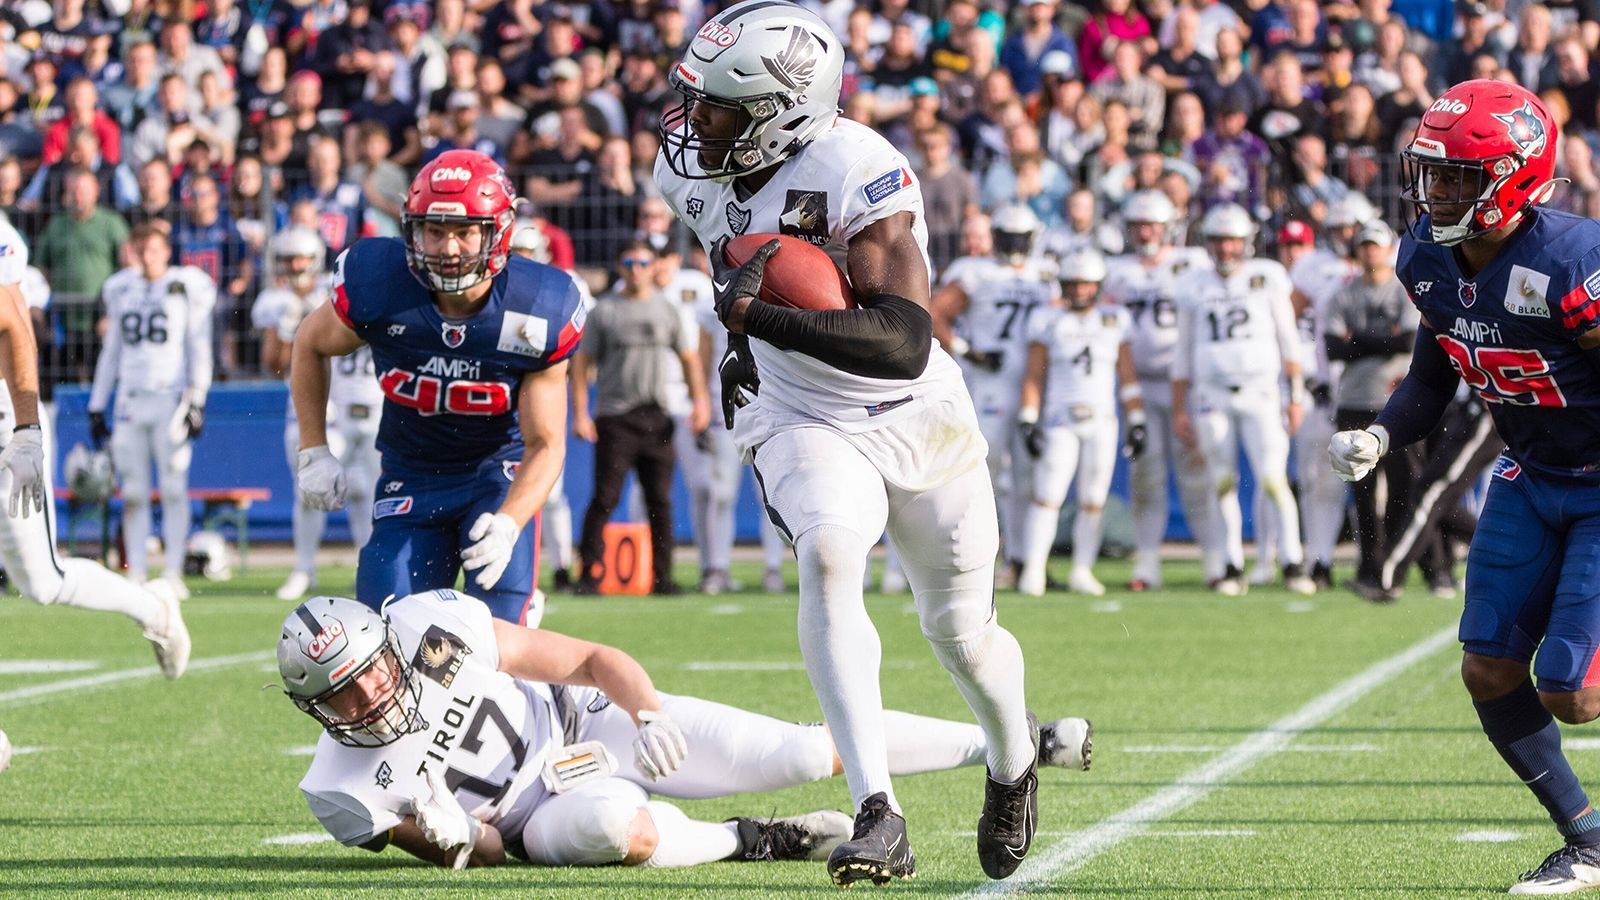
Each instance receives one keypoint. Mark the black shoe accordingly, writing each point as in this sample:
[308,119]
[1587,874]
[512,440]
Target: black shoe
[878,849]
[1010,815]
[1322,575]
[665,589]
[1371,591]
[811,836]
[561,581]
[1565,871]
[586,587]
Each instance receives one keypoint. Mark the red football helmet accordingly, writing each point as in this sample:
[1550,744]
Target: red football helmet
[459,187]
[1485,147]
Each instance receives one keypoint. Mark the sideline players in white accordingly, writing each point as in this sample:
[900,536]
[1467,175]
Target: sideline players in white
[861,421]
[1068,419]
[460,738]
[27,533]
[1147,283]
[1236,339]
[157,355]
[996,299]
[355,399]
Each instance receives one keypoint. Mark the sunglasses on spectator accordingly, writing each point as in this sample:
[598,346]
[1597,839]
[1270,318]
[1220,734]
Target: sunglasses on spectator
[636,262]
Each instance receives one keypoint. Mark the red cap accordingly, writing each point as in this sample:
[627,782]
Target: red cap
[1295,231]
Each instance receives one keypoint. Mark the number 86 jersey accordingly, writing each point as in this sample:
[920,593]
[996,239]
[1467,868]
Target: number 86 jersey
[1511,333]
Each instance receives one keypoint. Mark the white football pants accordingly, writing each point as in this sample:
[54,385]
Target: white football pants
[1082,453]
[1164,454]
[1250,416]
[995,398]
[142,439]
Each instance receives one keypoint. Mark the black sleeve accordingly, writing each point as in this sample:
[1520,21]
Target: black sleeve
[888,337]
[378,842]
[1361,346]
[1415,407]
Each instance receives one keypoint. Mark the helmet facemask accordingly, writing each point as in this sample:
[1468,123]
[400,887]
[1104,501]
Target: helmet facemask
[459,273]
[1148,249]
[1013,246]
[392,717]
[1471,184]
[1081,296]
[740,155]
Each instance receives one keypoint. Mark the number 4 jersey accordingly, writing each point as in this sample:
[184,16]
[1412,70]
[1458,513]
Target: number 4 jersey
[449,384]
[1511,333]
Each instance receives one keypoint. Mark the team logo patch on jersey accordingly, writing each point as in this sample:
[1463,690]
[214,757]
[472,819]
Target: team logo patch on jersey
[1507,468]
[1422,287]
[738,219]
[454,335]
[509,468]
[384,776]
[391,506]
[440,655]
[396,330]
[1525,129]
[392,486]
[1468,292]
[694,207]
[523,334]
[805,216]
[1591,286]
[886,185]
[1525,292]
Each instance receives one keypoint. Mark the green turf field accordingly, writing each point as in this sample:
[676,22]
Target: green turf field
[1265,746]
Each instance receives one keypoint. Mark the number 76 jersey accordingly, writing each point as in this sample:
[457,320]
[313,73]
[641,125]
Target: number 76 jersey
[1150,294]
[1511,333]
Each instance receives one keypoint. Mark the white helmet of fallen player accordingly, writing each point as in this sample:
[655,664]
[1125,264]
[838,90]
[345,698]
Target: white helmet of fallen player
[1013,228]
[298,255]
[1147,215]
[341,664]
[759,81]
[1228,231]
[89,474]
[1081,272]
[206,554]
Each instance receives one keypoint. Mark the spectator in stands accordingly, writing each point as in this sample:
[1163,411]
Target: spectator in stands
[533,71]
[1027,176]
[983,134]
[83,111]
[1472,38]
[384,183]
[963,91]
[607,204]
[258,94]
[280,148]
[418,59]
[461,132]
[566,92]
[168,128]
[629,341]
[247,204]
[1398,110]
[1288,113]
[380,107]
[1354,137]
[182,57]
[79,249]
[672,31]
[142,22]
[41,104]
[899,12]
[11,193]
[1231,82]
[923,114]
[449,28]
[1576,162]
[1575,79]
[1270,29]
[155,197]
[498,118]
[1532,61]
[948,53]
[1379,67]
[1232,161]
[1315,190]
[1116,21]
[219,107]
[1115,147]
[340,205]
[222,31]
[899,66]
[562,163]
[18,137]
[346,53]
[1023,50]
[1180,65]
[208,239]
[645,92]
[1144,97]
[949,194]
[82,151]
[1084,229]
[1186,124]
[1307,37]
[304,97]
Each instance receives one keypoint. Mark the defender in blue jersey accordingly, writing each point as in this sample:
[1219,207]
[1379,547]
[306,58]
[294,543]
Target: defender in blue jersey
[470,346]
[1510,300]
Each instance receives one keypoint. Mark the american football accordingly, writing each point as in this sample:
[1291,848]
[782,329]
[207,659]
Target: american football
[799,275]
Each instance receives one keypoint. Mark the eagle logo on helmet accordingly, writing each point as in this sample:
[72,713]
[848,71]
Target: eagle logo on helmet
[1524,128]
[795,64]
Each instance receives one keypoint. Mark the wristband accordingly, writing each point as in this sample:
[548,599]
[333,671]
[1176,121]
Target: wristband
[959,346]
[1027,416]
[31,426]
[1130,392]
[1135,417]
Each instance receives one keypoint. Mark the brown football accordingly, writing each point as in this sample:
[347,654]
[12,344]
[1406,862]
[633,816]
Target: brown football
[799,275]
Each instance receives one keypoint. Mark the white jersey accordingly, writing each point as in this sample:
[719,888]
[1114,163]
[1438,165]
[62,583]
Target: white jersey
[843,181]
[689,290]
[159,340]
[1002,301]
[13,254]
[1236,330]
[486,732]
[1319,275]
[353,382]
[1150,294]
[1083,348]
[1062,241]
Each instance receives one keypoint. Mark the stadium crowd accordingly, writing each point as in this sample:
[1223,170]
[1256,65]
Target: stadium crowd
[224,123]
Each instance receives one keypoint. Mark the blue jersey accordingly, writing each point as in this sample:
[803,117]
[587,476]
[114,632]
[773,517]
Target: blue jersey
[1511,331]
[450,385]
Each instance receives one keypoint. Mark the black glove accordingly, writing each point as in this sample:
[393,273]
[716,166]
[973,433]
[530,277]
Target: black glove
[195,421]
[733,282]
[1032,438]
[740,381]
[989,362]
[98,432]
[1321,394]
[1133,442]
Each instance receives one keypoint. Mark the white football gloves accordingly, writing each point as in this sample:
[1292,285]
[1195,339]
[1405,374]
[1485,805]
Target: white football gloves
[319,477]
[24,456]
[1353,454]
[496,536]
[443,822]
[659,749]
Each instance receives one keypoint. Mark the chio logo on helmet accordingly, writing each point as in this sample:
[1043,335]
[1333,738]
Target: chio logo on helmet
[717,33]
[450,173]
[325,640]
[1448,105]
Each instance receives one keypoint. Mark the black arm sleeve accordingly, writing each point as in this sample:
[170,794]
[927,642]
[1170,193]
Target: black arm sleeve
[1415,407]
[1361,346]
[888,337]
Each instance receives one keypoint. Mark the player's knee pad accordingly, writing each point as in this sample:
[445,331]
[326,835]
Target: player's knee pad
[1276,487]
[967,650]
[1225,484]
[830,552]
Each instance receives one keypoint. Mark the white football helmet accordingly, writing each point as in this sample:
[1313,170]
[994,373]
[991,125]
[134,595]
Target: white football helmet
[1082,265]
[1222,222]
[89,474]
[778,63]
[329,642]
[1148,207]
[1350,210]
[530,240]
[1013,228]
[206,554]
[295,243]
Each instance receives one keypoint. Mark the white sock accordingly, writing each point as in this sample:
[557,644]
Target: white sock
[556,524]
[719,532]
[309,525]
[1086,538]
[682,841]
[1039,533]
[175,529]
[136,536]
[89,585]
[360,517]
[920,744]
[987,668]
[842,653]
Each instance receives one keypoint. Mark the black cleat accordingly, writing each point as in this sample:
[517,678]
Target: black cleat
[878,849]
[1010,815]
[811,836]
[1322,576]
[1066,743]
[1566,871]
[562,581]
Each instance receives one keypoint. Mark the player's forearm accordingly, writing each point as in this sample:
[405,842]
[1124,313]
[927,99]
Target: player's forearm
[535,478]
[489,850]
[1419,402]
[622,678]
[21,365]
[1180,395]
[308,387]
[201,365]
[694,376]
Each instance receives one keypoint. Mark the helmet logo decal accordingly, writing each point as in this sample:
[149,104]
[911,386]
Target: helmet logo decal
[450,173]
[717,33]
[328,640]
[1448,105]
[1525,129]
[796,62]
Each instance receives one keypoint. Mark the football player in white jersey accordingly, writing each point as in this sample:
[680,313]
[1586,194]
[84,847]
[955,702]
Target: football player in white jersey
[27,531]
[354,398]
[996,299]
[464,739]
[1236,340]
[861,421]
[1068,419]
[157,356]
[1147,283]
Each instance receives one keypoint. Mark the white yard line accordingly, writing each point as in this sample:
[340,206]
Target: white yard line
[68,685]
[1042,870]
[304,837]
[768,665]
[45,666]
[1218,748]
